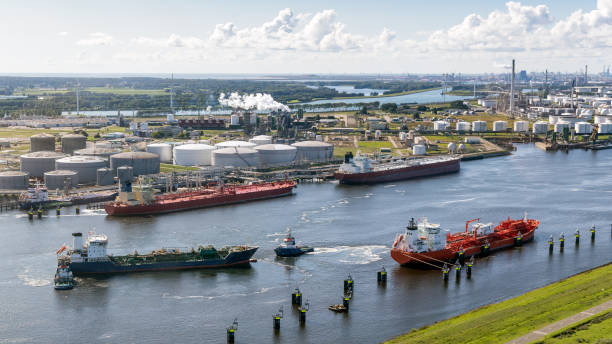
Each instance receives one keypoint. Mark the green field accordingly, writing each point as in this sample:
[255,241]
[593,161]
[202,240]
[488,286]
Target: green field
[501,322]
[113,90]
[169,168]
[596,329]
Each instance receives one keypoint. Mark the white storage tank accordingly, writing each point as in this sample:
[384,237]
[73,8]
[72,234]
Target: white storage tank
[479,126]
[85,166]
[463,126]
[605,128]
[42,143]
[314,151]
[419,150]
[472,140]
[195,154]
[402,136]
[452,147]
[553,119]
[163,150]
[377,134]
[521,126]
[37,163]
[105,176]
[58,179]
[500,126]
[440,125]
[72,142]
[583,128]
[461,148]
[235,157]
[234,120]
[276,155]
[142,162]
[560,125]
[261,140]
[540,127]
[235,143]
[14,180]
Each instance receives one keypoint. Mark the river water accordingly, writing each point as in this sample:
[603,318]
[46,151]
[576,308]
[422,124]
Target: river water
[352,228]
[427,97]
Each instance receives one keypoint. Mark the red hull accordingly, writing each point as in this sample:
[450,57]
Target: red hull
[204,199]
[504,236]
[397,174]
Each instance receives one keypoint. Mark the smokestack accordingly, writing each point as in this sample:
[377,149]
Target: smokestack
[586,68]
[512,89]
[77,241]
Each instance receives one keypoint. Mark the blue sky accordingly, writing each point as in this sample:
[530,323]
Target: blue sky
[302,36]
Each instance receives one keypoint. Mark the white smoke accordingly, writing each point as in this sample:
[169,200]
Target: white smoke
[257,101]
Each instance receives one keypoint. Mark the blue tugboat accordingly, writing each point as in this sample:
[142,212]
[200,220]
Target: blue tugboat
[289,249]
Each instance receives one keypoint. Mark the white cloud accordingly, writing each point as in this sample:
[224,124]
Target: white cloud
[172,41]
[96,38]
[63,33]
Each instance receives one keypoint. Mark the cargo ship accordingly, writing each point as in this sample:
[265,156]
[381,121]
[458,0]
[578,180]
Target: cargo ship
[92,258]
[141,200]
[424,244]
[361,170]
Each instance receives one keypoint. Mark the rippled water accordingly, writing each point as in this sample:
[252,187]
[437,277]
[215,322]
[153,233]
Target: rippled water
[352,227]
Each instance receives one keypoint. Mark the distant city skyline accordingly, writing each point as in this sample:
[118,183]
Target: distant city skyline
[337,37]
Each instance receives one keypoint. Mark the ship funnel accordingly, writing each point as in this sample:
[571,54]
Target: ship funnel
[77,241]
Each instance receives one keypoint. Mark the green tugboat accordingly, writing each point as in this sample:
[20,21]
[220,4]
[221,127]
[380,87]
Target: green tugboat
[63,278]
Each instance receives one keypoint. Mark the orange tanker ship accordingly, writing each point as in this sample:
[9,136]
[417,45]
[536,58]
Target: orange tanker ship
[424,244]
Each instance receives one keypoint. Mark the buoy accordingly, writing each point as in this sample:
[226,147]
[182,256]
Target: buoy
[593,233]
[381,276]
[57,211]
[562,241]
[468,271]
[577,235]
[551,244]
[231,331]
[348,284]
[345,302]
[296,297]
[39,213]
[303,311]
[30,215]
[461,256]
[77,210]
[445,272]
[484,250]
[457,269]
[518,241]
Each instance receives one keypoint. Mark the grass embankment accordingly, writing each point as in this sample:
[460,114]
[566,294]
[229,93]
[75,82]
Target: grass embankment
[501,322]
[596,329]
[169,168]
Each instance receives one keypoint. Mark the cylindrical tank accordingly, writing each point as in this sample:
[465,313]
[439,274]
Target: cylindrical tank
[553,119]
[440,125]
[42,142]
[170,117]
[319,138]
[583,128]
[235,143]
[276,155]
[105,176]
[419,140]
[142,162]
[461,148]
[37,163]
[163,150]
[195,154]
[604,128]
[419,150]
[403,136]
[479,126]
[58,179]
[235,157]
[377,134]
[560,125]
[314,151]
[125,173]
[72,142]
[500,126]
[234,120]
[102,153]
[452,147]
[540,127]
[463,126]
[521,126]
[261,140]
[85,166]
[14,180]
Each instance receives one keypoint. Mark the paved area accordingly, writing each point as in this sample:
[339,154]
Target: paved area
[563,323]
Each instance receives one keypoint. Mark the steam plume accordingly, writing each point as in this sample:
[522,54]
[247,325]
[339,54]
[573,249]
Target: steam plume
[257,101]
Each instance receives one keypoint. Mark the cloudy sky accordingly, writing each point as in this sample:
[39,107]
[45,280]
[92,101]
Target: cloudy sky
[315,36]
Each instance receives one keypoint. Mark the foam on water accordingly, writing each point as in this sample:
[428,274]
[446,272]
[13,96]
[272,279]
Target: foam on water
[353,254]
[212,297]
[33,281]
[458,201]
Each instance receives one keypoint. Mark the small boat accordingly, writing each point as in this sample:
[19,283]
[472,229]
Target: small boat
[289,249]
[337,308]
[63,278]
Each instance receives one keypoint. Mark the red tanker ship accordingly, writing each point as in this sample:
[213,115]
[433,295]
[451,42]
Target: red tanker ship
[142,201]
[424,244]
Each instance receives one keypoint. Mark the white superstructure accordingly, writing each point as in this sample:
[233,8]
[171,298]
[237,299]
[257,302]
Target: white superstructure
[93,250]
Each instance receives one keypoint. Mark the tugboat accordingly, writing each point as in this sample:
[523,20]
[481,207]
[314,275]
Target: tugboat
[338,308]
[289,249]
[63,278]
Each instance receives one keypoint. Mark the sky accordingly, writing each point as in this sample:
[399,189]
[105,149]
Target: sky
[300,37]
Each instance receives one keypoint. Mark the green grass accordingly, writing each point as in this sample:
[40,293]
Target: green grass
[595,329]
[126,91]
[501,322]
[170,168]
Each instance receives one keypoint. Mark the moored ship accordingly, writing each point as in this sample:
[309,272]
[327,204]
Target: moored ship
[141,200]
[92,258]
[424,243]
[361,170]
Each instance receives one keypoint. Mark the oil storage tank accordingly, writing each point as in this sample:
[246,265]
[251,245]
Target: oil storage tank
[105,176]
[164,151]
[235,157]
[276,155]
[604,128]
[58,179]
[261,140]
[583,128]
[560,125]
[84,166]
[440,125]
[479,126]
[102,153]
[540,127]
[500,126]
[463,126]
[14,180]
[195,154]
[141,162]
[72,142]
[37,163]
[314,151]
[42,142]
[521,126]
[235,143]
